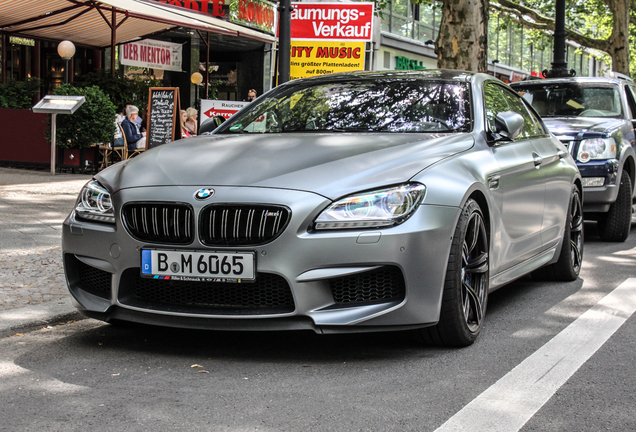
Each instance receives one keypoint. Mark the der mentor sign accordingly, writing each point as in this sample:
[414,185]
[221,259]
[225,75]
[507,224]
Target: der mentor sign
[152,54]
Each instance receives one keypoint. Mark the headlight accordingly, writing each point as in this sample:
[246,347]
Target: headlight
[94,203]
[380,208]
[596,148]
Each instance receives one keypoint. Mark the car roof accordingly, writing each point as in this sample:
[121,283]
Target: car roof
[587,80]
[426,74]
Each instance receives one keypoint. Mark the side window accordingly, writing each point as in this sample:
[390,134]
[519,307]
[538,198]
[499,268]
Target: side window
[537,120]
[631,102]
[498,99]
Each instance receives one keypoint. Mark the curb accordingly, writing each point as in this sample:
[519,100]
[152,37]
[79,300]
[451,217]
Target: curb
[29,318]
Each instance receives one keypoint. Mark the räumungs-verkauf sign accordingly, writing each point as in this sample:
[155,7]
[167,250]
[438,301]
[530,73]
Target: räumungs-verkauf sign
[329,37]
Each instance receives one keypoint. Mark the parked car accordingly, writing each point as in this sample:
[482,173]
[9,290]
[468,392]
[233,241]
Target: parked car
[341,203]
[595,118]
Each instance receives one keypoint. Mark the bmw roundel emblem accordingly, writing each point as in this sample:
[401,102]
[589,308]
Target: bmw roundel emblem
[203,194]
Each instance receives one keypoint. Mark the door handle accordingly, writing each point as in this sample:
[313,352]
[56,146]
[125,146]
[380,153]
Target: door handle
[538,160]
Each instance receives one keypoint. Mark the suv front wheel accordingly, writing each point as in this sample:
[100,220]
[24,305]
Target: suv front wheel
[616,224]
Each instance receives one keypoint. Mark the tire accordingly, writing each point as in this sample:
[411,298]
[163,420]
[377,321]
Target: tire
[466,285]
[616,224]
[568,267]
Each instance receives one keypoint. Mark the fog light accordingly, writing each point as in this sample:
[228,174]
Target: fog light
[593,181]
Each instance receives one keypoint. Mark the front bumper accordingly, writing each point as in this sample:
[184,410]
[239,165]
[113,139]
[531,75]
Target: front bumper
[599,198]
[102,265]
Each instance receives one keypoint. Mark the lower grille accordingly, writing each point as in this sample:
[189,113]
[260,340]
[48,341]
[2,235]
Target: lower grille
[269,294]
[94,280]
[377,286]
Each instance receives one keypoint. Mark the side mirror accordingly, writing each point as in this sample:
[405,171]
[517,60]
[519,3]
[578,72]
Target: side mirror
[508,124]
[210,124]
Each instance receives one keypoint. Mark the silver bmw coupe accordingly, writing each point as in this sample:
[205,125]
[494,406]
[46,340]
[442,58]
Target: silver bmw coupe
[341,203]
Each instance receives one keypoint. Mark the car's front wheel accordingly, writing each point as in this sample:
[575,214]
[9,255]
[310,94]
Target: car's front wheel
[615,225]
[466,286]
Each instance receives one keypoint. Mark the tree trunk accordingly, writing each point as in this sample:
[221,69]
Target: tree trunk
[462,42]
[618,43]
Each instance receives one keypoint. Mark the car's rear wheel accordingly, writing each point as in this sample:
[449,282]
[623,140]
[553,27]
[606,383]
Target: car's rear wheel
[568,267]
[466,286]
[615,225]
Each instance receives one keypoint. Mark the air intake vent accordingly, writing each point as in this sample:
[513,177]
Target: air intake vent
[160,223]
[377,286]
[268,294]
[231,225]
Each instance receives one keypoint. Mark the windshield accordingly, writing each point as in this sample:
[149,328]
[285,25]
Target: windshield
[573,99]
[359,106]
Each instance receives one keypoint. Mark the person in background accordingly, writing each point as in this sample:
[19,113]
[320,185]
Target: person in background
[191,122]
[251,95]
[135,138]
[118,137]
[183,117]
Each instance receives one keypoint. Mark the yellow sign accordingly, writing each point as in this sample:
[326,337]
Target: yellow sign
[310,58]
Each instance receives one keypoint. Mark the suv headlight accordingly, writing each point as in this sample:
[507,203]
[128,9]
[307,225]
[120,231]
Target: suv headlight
[94,203]
[596,148]
[379,208]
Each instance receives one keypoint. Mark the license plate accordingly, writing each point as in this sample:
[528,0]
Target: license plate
[198,266]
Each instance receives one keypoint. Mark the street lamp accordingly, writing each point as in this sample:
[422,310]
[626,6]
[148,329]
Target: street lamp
[66,50]
[196,78]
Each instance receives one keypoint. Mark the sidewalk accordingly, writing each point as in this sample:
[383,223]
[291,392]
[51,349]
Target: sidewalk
[33,205]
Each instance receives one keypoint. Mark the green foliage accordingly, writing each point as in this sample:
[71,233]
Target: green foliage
[19,94]
[93,122]
[119,88]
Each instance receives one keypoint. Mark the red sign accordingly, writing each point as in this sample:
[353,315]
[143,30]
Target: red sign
[215,112]
[214,7]
[332,21]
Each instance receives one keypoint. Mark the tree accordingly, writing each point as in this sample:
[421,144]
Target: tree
[591,17]
[93,122]
[462,41]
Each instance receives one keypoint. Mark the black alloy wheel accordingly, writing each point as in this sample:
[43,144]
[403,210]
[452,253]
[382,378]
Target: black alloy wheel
[474,270]
[466,286]
[576,233]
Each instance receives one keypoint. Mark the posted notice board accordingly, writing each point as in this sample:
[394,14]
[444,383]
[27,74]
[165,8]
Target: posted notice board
[163,120]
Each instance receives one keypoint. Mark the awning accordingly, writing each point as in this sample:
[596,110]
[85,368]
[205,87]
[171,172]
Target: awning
[89,22]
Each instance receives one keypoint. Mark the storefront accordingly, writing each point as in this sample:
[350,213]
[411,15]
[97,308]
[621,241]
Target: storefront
[400,53]
[233,39]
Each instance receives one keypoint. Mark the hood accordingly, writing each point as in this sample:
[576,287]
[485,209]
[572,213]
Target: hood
[572,126]
[331,165]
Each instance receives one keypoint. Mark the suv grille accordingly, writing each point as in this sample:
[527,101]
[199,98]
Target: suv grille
[268,294]
[231,225]
[160,223]
[376,286]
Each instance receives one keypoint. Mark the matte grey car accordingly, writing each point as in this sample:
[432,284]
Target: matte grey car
[341,203]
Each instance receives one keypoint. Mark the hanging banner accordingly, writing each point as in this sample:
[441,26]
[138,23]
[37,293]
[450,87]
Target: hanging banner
[332,21]
[153,54]
[310,58]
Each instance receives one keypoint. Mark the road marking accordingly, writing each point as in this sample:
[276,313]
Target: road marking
[509,403]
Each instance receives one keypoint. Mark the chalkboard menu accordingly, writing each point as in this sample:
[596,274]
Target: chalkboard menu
[162,121]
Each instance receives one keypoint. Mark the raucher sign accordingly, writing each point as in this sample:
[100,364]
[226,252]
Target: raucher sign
[152,54]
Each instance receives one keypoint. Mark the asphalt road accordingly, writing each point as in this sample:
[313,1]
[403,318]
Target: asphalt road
[87,375]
